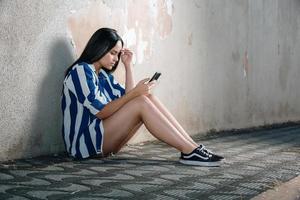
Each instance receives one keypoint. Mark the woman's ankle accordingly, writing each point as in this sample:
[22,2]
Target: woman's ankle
[188,150]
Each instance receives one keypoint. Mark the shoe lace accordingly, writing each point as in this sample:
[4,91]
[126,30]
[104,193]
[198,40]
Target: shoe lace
[204,151]
[208,151]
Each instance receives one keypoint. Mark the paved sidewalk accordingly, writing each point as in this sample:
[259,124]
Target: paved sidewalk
[256,160]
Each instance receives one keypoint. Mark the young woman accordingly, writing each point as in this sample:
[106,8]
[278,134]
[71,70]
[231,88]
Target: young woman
[100,115]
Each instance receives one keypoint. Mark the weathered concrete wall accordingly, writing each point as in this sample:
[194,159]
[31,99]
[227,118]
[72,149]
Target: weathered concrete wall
[225,64]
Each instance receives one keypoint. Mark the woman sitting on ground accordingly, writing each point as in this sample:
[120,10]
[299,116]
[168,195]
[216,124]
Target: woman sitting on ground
[100,115]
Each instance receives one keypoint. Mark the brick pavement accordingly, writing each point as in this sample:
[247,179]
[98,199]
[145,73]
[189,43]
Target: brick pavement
[256,160]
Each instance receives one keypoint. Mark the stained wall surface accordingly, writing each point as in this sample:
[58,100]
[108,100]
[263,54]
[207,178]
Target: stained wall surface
[226,64]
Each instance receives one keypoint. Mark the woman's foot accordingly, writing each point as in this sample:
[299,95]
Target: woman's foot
[199,157]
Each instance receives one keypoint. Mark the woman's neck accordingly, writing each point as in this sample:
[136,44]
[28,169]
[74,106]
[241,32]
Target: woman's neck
[97,67]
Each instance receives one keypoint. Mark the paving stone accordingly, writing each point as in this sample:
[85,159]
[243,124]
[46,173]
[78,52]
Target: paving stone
[173,177]
[52,168]
[35,182]
[43,194]
[59,177]
[5,177]
[242,191]
[84,172]
[97,182]
[213,181]
[204,187]
[136,172]
[117,193]
[179,193]
[21,172]
[5,187]
[90,198]
[73,188]
[16,198]
[162,197]
[225,197]
[142,187]
[252,185]
[154,168]
[104,168]
[121,177]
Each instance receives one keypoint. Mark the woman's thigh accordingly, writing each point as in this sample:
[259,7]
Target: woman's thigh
[121,123]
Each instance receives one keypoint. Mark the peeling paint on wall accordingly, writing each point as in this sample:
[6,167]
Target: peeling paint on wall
[83,23]
[190,39]
[151,19]
[138,22]
[246,65]
[164,18]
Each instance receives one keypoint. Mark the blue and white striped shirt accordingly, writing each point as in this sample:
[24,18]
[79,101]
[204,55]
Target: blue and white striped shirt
[84,94]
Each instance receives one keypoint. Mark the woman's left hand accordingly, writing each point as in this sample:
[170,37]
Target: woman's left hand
[126,57]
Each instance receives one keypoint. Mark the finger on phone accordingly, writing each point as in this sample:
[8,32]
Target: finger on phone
[151,84]
[145,80]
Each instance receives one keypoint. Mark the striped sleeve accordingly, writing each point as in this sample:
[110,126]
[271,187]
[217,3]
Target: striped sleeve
[118,90]
[82,83]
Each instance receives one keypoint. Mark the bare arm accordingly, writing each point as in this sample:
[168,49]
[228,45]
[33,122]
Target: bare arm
[115,105]
[126,58]
[129,84]
[142,88]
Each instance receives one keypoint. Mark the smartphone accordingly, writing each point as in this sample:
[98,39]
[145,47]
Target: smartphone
[155,76]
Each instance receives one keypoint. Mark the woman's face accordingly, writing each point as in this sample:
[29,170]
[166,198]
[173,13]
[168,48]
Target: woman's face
[111,57]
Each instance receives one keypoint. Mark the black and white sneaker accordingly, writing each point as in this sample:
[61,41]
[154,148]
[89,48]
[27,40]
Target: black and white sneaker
[218,157]
[200,158]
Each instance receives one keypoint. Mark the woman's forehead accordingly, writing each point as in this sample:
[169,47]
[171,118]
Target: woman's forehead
[118,46]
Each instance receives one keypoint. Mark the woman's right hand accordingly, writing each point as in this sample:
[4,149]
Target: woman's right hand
[143,88]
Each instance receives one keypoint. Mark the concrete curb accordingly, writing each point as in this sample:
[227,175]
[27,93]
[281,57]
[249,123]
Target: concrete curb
[288,191]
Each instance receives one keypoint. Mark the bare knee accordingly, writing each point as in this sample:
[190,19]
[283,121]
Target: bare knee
[143,102]
[151,97]
[155,100]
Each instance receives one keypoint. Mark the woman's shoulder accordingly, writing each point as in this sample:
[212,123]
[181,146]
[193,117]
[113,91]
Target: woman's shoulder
[80,68]
[83,66]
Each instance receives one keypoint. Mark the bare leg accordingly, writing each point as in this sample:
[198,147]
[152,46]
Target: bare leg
[141,109]
[167,114]
[129,136]
[170,117]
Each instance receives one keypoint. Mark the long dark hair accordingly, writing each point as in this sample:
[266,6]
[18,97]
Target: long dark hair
[101,42]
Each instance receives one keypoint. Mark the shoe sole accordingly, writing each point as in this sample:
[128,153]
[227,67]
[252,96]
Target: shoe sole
[198,163]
